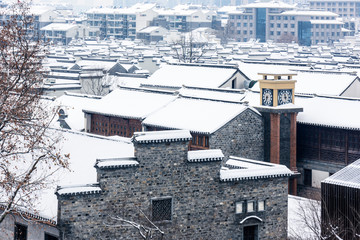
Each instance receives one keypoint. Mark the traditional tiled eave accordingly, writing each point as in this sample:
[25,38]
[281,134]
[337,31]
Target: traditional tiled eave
[170,128]
[329,126]
[31,216]
[246,169]
[254,177]
[161,136]
[115,163]
[159,86]
[111,115]
[210,155]
[78,189]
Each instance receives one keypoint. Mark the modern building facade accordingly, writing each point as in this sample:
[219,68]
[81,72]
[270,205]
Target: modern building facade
[119,23]
[344,8]
[281,22]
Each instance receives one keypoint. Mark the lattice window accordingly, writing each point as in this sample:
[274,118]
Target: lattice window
[161,209]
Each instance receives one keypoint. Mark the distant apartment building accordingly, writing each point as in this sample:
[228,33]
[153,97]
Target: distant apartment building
[185,18]
[344,8]
[63,32]
[42,16]
[119,23]
[281,22]
[349,11]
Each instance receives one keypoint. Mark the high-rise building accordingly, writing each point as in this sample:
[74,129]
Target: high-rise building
[281,22]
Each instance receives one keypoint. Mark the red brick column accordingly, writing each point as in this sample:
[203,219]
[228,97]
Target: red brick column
[275,138]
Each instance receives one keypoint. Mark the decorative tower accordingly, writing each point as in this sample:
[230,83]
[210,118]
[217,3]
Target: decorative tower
[279,110]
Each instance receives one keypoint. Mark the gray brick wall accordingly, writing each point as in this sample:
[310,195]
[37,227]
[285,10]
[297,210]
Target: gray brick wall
[202,206]
[243,136]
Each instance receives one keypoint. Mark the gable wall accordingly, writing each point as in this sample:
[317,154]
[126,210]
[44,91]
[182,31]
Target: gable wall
[243,136]
[202,206]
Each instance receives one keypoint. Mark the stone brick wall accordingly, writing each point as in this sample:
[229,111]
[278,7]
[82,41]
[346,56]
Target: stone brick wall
[202,206]
[243,136]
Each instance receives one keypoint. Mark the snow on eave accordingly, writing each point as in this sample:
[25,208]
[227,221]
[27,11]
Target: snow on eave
[205,155]
[111,114]
[112,163]
[158,85]
[349,176]
[328,126]
[162,136]
[232,111]
[93,188]
[82,95]
[247,169]
[31,216]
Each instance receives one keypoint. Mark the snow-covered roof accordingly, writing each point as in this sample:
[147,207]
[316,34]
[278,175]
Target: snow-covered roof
[205,155]
[222,94]
[196,115]
[73,104]
[116,163]
[251,70]
[314,13]
[39,10]
[58,27]
[321,83]
[244,169]
[90,64]
[79,189]
[349,176]
[191,75]
[326,22]
[271,4]
[329,112]
[130,103]
[162,136]
[149,29]
[82,160]
[131,10]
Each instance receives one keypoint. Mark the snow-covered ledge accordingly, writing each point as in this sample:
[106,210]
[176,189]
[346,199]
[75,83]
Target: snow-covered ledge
[78,189]
[205,155]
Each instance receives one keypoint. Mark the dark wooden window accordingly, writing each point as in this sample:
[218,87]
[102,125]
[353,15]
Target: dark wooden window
[20,232]
[161,209]
[354,141]
[194,140]
[199,142]
[307,177]
[50,237]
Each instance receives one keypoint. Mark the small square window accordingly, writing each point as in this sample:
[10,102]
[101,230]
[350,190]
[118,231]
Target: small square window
[250,206]
[161,209]
[20,232]
[261,205]
[239,207]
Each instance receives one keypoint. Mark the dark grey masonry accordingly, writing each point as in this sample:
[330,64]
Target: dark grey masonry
[203,207]
[243,136]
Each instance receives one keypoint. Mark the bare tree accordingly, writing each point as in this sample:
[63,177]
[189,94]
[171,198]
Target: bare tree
[96,83]
[188,50]
[146,232]
[313,227]
[28,150]
[287,38]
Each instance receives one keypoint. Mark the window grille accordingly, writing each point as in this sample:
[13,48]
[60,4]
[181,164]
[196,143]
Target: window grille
[161,209]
